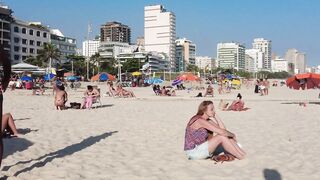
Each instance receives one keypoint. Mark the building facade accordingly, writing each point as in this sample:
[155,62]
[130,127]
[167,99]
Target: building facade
[254,60]
[160,32]
[27,38]
[279,64]
[231,55]
[296,61]
[5,28]
[115,32]
[205,62]
[264,46]
[90,47]
[66,45]
[111,50]
[185,54]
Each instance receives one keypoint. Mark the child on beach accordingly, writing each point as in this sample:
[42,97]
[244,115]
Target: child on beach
[200,145]
[8,125]
[61,98]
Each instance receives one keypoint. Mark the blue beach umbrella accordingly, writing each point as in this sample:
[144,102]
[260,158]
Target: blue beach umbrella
[26,78]
[176,82]
[72,78]
[48,77]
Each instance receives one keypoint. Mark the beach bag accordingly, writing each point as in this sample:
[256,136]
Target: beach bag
[75,105]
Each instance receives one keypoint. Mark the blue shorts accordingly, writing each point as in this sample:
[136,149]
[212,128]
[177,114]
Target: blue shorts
[199,152]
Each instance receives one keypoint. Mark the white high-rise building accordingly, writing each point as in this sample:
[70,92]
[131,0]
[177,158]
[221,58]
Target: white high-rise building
[160,31]
[231,55]
[254,60]
[264,46]
[205,62]
[279,64]
[296,60]
[90,47]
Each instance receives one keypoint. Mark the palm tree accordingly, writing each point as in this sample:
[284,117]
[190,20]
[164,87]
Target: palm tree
[95,61]
[48,53]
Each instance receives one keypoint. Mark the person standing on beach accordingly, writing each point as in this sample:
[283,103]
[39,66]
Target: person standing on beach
[5,78]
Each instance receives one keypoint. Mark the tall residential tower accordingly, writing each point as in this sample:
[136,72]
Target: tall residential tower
[160,31]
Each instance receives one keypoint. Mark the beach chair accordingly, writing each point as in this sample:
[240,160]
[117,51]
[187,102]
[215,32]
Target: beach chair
[97,101]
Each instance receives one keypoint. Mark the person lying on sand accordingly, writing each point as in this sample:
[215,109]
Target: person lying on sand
[236,105]
[200,145]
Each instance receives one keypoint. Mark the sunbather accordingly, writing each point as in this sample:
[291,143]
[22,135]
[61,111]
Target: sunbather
[237,105]
[198,143]
[209,91]
[90,96]
[8,125]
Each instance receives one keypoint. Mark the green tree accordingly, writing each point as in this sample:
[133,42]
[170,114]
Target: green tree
[131,65]
[34,61]
[95,63]
[49,52]
[192,68]
[79,64]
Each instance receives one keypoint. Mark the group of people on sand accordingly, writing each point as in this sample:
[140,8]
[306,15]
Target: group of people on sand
[262,86]
[119,91]
[164,91]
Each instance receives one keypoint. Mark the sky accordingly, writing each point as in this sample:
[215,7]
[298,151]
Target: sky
[287,23]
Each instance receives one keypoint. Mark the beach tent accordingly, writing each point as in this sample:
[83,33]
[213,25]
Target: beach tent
[26,78]
[48,77]
[103,77]
[23,67]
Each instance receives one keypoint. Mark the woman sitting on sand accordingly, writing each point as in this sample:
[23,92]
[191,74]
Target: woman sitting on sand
[123,92]
[198,143]
[237,105]
[91,95]
[8,125]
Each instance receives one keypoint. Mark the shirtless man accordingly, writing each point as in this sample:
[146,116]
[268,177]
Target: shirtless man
[61,98]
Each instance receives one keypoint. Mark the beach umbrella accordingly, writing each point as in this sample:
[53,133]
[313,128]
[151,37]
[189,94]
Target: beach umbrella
[188,77]
[67,74]
[176,82]
[48,77]
[137,73]
[72,78]
[103,77]
[303,81]
[153,81]
[26,78]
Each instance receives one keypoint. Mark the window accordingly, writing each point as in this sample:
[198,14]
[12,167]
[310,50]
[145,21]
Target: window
[24,41]
[16,57]
[16,48]
[24,31]
[24,57]
[24,50]
[38,33]
[45,35]
[31,50]
[16,29]
[38,43]
[31,42]
[31,32]
[16,39]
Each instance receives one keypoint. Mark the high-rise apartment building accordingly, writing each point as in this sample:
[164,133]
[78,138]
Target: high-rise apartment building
[205,63]
[279,64]
[185,54]
[5,28]
[27,38]
[296,60]
[115,32]
[254,60]
[67,46]
[264,46]
[231,55]
[160,32]
[90,47]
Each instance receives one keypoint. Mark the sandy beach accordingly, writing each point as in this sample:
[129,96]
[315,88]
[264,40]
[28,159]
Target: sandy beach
[143,137]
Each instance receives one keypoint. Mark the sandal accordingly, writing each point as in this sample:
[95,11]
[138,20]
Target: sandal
[223,157]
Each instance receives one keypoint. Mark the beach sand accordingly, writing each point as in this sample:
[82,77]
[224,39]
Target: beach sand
[143,137]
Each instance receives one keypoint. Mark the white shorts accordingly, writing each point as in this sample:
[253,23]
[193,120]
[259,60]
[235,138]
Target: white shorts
[199,152]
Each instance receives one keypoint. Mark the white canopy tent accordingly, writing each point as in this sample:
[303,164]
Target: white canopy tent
[22,67]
